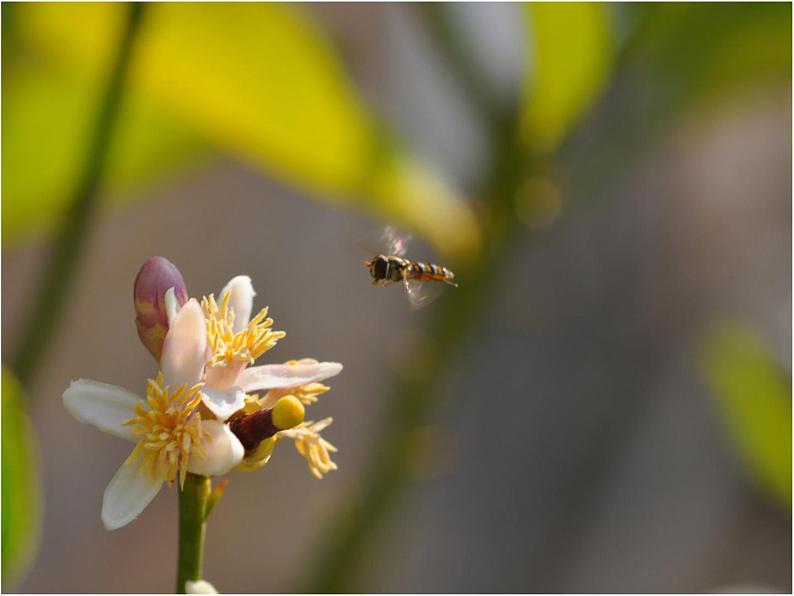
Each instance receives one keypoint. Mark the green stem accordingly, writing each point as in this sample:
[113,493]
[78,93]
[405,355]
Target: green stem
[413,402]
[193,500]
[347,545]
[46,308]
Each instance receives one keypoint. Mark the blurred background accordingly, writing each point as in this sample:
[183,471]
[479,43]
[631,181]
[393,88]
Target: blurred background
[603,405]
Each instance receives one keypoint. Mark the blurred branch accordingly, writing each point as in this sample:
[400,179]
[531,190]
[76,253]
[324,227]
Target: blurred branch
[448,43]
[413,403]
[46,307]
[346,544]
[415,400]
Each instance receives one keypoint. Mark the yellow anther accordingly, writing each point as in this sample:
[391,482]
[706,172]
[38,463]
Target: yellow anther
[246,345]
[288,413]
[312,446]
[171,429]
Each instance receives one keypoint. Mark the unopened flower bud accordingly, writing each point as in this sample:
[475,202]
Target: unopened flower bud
[254,428]
[155,278]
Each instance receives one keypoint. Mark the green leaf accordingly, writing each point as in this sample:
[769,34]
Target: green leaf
[47,114]
[697,55]
[21,498]
[680,61]
[263,82]
[570,58]
[754,398]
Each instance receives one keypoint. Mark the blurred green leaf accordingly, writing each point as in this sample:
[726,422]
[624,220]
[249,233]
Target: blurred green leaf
[21,498]
[570,58]
[754,397]
[47,114]
[700,53]
[679,61]
[262,81]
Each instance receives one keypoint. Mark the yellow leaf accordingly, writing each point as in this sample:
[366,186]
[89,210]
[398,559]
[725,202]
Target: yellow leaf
[754,399]
[263,82]
[424,203]
[48,113]
[570,59]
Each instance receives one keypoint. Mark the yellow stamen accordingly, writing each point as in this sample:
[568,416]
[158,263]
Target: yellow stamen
[246,345]
[312,446]
[170,428]
[253,403]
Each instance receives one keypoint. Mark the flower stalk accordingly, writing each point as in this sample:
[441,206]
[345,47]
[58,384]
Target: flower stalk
[193,509]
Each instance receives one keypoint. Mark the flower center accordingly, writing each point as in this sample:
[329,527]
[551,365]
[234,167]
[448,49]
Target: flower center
[227,346]
[170,429]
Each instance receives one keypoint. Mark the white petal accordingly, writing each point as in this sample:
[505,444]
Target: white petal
[223,403]
[222,450]
[105,406]
[185,346]
[201,586]
[127,495]
[224,377]
[283,376]
[241,300]
[171,305]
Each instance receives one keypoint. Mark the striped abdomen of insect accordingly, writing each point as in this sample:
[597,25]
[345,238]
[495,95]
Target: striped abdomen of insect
[430,272]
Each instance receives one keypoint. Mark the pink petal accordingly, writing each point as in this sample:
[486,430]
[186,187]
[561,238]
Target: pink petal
[185,347]
[283,376]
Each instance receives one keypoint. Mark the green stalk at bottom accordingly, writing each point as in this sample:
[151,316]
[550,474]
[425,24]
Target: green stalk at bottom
[193,500]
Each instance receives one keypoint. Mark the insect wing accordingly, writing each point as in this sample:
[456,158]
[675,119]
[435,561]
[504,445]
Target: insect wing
[397,241]
[422,293]
[385,241]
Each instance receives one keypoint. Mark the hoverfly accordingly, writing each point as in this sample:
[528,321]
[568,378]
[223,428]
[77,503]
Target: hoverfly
[416,276]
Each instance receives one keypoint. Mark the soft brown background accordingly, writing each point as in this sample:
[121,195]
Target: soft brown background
[608,470]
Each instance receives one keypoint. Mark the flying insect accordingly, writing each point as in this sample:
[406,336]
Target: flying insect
[422,280]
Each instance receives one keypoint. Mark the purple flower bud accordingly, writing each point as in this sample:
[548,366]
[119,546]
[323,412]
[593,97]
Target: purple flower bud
[155,278]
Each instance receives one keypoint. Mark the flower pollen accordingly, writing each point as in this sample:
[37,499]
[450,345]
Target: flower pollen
[170,427]
[226,346]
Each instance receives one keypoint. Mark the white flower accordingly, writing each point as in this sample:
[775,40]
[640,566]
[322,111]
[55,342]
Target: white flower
[205,356]
[171,438]
[235,341]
